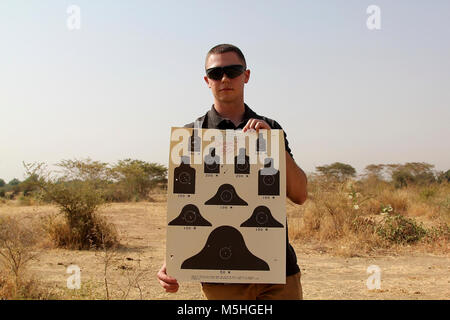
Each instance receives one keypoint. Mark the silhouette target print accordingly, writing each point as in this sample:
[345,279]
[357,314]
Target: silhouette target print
[241,163]
[184,177]
[260,143]
[226,195]
[194,142]
[190,216]
[225,249]
[262,217]
[212,162]
[268,179]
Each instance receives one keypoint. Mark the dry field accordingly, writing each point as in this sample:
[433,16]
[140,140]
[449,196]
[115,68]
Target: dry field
[406,272]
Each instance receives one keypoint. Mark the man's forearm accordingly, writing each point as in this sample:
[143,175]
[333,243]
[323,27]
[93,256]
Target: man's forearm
[296,181]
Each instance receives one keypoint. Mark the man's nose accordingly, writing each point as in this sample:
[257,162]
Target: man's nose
[225,77]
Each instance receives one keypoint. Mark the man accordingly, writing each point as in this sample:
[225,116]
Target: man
[226,76]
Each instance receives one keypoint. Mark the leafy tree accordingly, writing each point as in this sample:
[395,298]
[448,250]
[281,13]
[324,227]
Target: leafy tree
[85,169]
[337,170]
[444,176]
[2,183]
[29,185]
[138,177]
[402,178]
[14,182]
[412,173]
[374,171]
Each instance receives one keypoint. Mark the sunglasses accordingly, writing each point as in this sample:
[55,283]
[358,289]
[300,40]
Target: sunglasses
[232,71]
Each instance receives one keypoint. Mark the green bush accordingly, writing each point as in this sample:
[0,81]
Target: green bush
[14,182]
[399,229]
[444,177]
[78,194]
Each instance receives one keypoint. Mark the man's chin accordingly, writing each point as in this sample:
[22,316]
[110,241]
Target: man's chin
[227,97]
[228,101]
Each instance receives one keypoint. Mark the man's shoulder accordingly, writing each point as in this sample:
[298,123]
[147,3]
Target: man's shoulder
[199,120]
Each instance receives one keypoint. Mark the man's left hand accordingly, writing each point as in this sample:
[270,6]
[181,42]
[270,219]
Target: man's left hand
[256,124]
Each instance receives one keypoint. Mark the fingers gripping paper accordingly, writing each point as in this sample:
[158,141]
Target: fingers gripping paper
[226,214]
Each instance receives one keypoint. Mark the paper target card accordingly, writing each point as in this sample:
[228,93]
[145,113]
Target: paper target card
[226,213]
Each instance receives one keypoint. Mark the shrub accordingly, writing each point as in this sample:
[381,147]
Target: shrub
[78,193]
[16,247]
[399,229]
[94,232]
[28,288]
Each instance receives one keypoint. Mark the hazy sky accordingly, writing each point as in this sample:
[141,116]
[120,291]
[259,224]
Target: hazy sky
[112,89]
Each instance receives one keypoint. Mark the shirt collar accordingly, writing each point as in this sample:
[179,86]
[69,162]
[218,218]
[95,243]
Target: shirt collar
[215,119]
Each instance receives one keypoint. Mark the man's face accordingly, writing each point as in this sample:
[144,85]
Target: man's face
[226,89]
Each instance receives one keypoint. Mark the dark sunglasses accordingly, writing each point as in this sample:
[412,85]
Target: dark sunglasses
[232,71]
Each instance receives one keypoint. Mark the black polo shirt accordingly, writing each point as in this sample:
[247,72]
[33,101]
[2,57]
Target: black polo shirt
[212,120]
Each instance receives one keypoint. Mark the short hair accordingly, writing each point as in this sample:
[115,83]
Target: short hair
[223,48]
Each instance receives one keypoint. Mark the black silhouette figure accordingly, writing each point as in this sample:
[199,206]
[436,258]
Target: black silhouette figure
[260,143]
[226,195]
[184,177]
[268,179]
[190,216]
[194,142]
[241,163]
[262,217]
[225,249]
[212,162]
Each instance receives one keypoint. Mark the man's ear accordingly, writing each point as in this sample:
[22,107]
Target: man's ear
[247,75]
[207,81]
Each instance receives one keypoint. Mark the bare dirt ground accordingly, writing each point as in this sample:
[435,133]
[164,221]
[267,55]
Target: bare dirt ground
[406,275]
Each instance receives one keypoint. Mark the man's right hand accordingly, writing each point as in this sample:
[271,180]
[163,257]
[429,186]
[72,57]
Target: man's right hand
[167,282]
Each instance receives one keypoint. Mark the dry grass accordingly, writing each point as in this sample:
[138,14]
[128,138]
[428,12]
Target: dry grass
[17,250]
[348,216]
[28,288]
[97,228]
[328,222]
